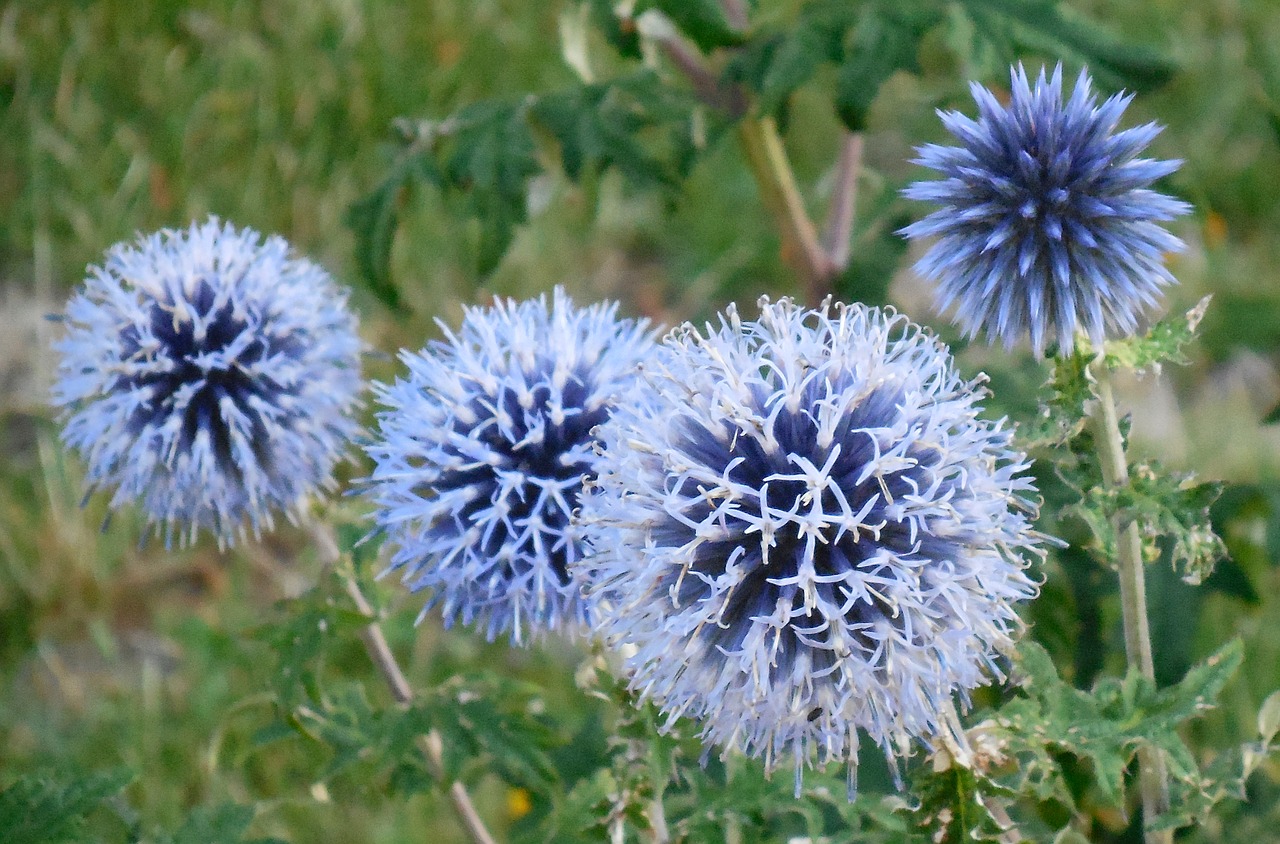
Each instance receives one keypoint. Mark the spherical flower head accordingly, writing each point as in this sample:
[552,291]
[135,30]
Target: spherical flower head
[210,376]
[482,452]
[1048,226]
[807,531]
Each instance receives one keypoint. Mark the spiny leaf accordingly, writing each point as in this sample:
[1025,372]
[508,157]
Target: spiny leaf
[1063,413]
[954,805]
[1170,510]
[1107,725]
[1163,343]
[51,810]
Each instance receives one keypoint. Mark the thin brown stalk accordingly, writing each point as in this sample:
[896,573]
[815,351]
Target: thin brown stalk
[384,660]
[838,234]
[735,12]
[800,246]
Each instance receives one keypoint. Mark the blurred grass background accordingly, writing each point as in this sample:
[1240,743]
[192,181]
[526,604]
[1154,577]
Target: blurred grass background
[120,116]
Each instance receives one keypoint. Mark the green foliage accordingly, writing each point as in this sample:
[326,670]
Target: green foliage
[1052,28]
[702,20]
[1170,510]
[49,810]
[484,156]
[224,824]
[1105,726]
[1163,343]
[956,804]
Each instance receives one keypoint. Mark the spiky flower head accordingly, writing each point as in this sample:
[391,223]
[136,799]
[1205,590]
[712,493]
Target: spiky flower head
[209,375]
[808,530]
[481,455]
[1048,225]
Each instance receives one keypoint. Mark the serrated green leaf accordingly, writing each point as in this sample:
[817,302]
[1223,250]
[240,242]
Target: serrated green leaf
[1107,725]
[600,126]
[1164,343]
[774,65]
[487,161]
[52,810]
[954,806]
[1169,510]
[1063,413]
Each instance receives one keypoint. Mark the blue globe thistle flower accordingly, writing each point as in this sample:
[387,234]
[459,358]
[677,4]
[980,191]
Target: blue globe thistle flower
[807,530]
[1048,224]
[482,453]
[210,376]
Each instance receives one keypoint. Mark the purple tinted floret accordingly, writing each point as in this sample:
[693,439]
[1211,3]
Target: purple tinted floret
[807,530]
[1048,225]
[210,376]
[482,452]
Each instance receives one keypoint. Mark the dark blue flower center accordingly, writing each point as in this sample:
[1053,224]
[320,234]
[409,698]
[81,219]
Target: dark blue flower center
[536,458]
[754,595]
[177,367]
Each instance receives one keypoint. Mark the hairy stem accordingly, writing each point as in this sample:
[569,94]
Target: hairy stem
[658,821]
[772,170]
[384,660]
[1153,774]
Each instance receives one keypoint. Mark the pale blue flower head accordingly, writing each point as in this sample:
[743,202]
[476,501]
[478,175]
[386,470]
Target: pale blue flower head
[808,530]
[482,451]
[209,375]
[1048,225]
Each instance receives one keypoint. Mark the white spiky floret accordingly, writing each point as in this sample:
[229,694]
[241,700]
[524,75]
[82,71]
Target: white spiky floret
[481,453]
[806,529]
[209,375]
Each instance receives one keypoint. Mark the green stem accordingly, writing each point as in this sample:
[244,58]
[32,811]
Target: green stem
[772,170]
[1153,773]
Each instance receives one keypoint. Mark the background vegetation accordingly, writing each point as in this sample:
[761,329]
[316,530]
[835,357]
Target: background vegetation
[119,116]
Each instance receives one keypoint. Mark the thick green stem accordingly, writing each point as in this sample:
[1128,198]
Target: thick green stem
[772,170]
[1153,773]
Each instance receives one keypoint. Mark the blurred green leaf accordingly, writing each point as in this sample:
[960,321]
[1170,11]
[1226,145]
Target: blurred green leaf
[225,824]
[599,126]
[374,220]
[1269,717]
[46,809]
[885,40]
[702,20]
[1054,28]
[618,30]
